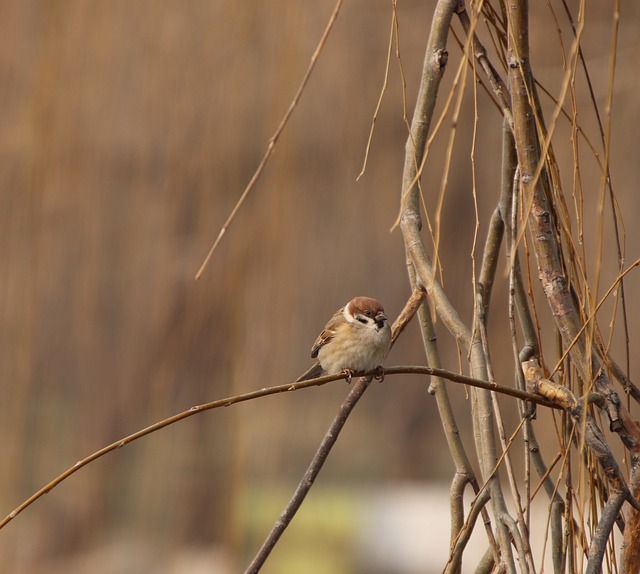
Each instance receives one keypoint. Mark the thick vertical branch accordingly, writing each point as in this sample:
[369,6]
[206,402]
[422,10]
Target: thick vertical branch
[541,223]
[542,228]
[630,563]
[410,223]
[548,255]
[418,262]
[518,299]
[435,63]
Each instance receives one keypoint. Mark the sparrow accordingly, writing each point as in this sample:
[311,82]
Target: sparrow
[356,339]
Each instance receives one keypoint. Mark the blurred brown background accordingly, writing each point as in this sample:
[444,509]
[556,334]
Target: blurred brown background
[128,131]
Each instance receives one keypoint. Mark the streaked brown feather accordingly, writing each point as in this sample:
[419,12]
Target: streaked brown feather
[328,332]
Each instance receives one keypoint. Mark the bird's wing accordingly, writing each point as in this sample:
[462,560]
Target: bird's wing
[327,333]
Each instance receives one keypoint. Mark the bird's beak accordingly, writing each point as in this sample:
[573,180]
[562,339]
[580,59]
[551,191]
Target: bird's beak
[380,319]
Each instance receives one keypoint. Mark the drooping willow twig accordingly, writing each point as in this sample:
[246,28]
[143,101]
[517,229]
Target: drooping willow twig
[274,138]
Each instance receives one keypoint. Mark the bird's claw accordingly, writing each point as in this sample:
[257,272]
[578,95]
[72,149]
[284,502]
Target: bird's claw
[349,374]
[378,373]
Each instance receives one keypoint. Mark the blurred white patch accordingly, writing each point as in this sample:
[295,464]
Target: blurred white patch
[406,530]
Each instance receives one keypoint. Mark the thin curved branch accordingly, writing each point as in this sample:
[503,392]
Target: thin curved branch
[603,530]
[264,392]
[464,535]
[410,224]
[487,274]
[465,473]
[480,53]
[420,269]
[508,208]
[524,552]
[274,138]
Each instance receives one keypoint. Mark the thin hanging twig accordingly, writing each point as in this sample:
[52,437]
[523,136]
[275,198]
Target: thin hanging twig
[274,138]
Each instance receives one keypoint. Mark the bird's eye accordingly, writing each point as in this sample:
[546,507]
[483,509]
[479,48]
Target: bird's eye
[368,313]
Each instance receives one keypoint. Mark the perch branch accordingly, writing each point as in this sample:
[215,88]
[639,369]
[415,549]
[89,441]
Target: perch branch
[264,392]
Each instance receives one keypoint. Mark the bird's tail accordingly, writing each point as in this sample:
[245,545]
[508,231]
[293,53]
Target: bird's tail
[312,373]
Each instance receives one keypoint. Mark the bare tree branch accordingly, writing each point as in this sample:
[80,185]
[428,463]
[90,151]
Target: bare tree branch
[464,533]
[593,436]
[310,475]
[480,53]
[603,531]
[551,270]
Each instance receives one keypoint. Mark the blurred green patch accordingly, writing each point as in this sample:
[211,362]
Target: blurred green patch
[320,537]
